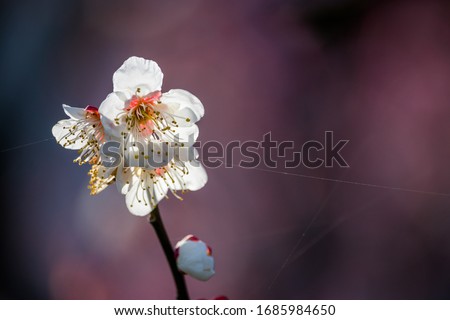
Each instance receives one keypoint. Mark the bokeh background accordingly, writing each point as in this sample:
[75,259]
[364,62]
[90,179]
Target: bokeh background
[374,72]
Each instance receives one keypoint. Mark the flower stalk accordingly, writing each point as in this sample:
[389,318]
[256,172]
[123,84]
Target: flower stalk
[157,223]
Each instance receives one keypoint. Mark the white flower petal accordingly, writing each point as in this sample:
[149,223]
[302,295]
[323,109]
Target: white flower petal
[74,113]
[143,194]
[193,180]
[197,176]
[186,108]
[137,73]
[66,136]
[124,175]
[160,190]
[111,109]
[186,135]
[138,199]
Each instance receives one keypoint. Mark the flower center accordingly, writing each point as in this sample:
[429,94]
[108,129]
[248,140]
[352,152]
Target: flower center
[141,113]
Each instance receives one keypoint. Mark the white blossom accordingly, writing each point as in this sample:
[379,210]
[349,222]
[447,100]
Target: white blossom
[83,131]
[136,110]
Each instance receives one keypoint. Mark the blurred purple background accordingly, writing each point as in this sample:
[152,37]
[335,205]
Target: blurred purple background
[374,72]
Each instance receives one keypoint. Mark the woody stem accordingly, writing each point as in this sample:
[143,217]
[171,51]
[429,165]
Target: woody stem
[157,223]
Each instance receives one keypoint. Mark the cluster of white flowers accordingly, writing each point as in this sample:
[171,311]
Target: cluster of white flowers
[137,112]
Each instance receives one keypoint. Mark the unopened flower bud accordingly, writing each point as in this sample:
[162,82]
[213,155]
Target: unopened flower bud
[194,257]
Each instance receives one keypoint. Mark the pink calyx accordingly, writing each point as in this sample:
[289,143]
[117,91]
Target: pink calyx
[91,109]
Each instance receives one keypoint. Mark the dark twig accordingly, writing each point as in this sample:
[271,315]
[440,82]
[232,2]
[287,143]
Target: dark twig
[157,223]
